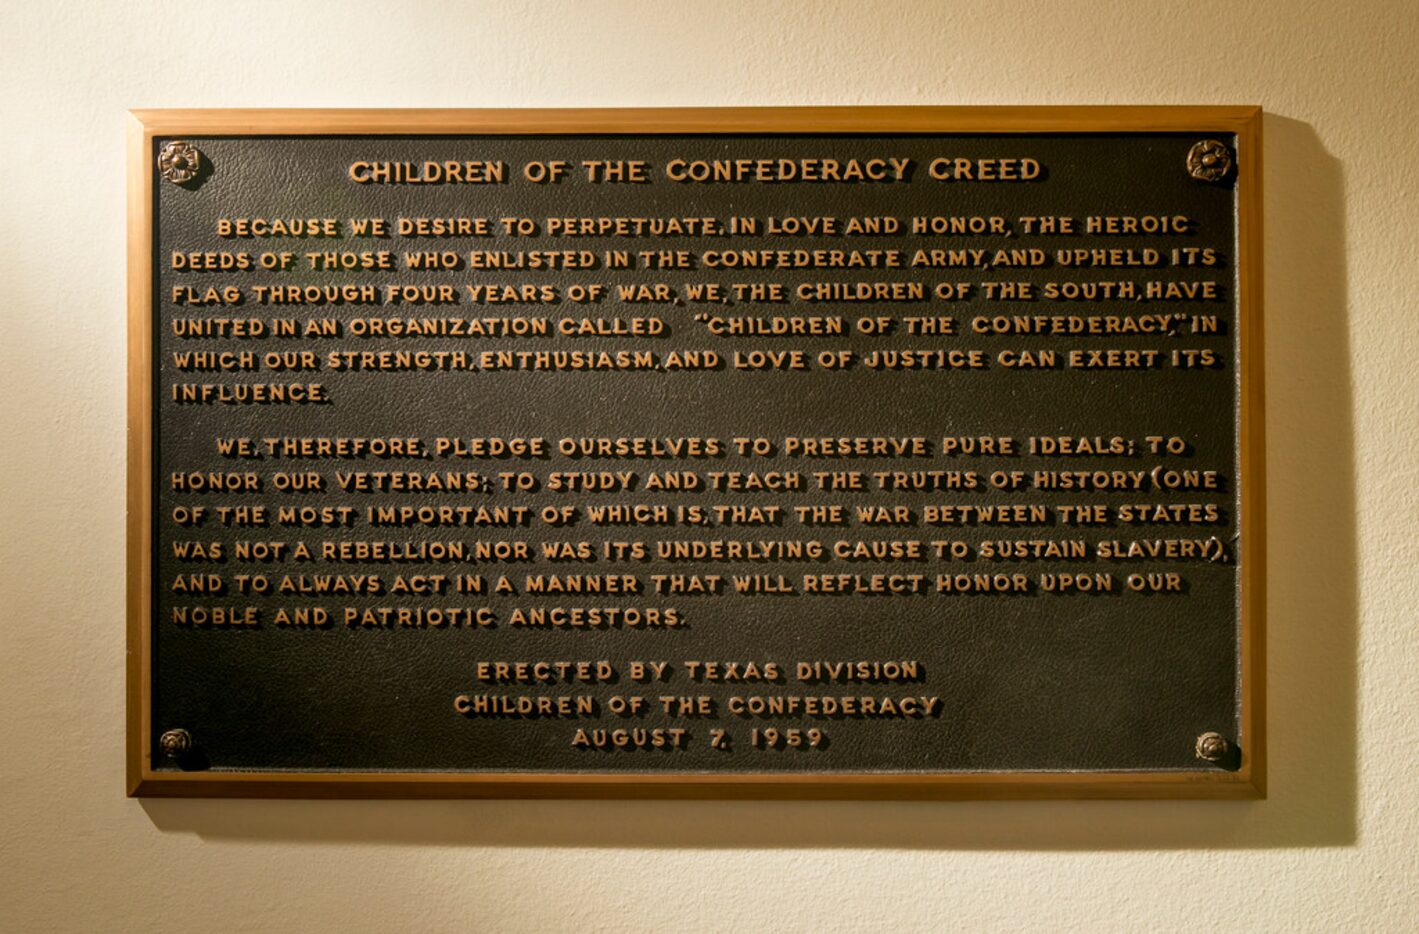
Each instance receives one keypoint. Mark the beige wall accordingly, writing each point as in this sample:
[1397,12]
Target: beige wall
[1336,846]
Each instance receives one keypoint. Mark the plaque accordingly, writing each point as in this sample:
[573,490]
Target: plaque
[864,452]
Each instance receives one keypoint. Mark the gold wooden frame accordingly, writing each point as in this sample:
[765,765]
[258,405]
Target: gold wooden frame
[1248,781]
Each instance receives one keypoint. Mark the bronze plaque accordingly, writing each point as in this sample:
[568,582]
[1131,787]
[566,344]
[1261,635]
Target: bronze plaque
[824,452]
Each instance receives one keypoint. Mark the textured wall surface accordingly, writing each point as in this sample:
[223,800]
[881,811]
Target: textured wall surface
[1335,847]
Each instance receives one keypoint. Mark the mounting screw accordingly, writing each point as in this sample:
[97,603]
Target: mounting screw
[1213,747]
[175,743]
[179,162]
[1209,160]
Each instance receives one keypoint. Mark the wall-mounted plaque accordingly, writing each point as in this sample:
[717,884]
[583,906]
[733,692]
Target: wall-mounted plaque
[904,452]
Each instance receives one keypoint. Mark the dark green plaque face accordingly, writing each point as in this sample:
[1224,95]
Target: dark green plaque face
[723,454]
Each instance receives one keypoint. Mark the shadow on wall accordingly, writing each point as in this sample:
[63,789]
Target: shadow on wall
[1312,645]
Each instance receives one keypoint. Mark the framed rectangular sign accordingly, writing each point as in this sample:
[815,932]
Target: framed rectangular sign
[860,452]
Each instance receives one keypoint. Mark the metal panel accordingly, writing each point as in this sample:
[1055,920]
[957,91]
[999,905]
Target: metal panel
[933,668]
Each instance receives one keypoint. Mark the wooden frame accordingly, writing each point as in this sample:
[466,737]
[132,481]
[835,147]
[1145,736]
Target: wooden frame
[1248,781]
